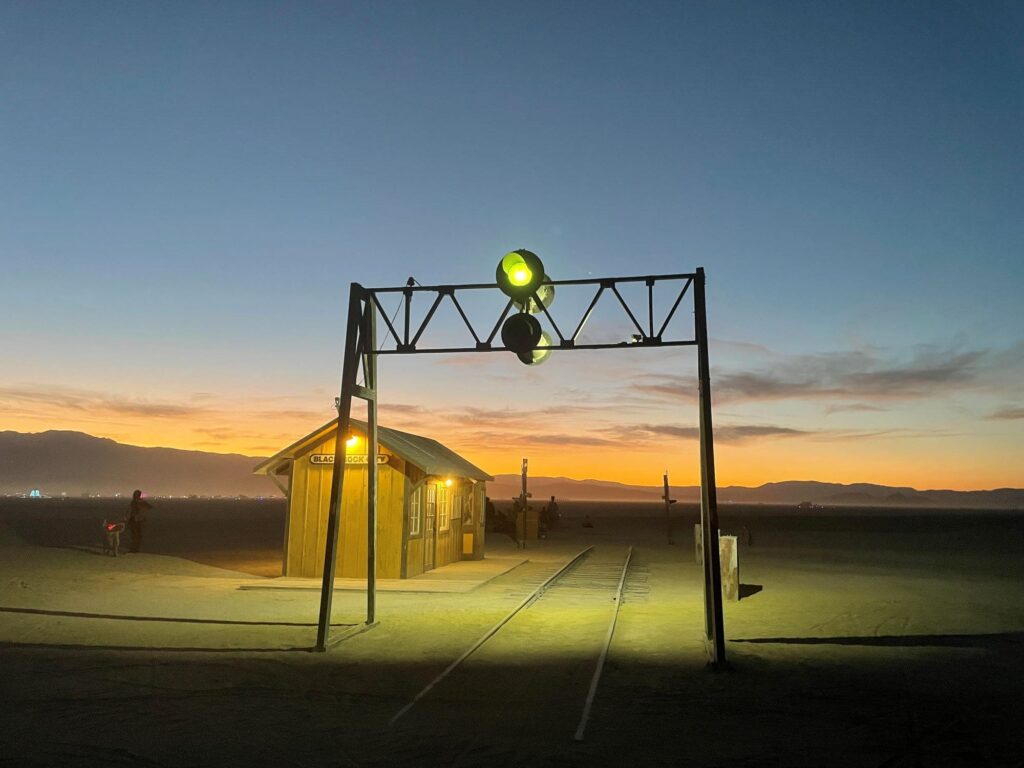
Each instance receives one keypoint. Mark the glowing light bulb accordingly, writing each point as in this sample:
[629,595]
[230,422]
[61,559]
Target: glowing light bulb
[520,275]
[448,482]
[352,442]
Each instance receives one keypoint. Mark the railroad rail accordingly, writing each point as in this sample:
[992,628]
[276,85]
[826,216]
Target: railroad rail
[602,578]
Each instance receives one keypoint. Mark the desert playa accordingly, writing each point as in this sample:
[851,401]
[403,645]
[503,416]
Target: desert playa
[863,638]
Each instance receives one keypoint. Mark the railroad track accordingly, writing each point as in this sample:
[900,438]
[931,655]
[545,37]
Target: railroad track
[541,664]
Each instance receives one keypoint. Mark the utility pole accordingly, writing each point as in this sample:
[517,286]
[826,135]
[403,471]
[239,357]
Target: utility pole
[668,515]
[523,496]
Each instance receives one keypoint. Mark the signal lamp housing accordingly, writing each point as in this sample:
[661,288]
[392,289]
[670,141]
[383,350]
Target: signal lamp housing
[539,354]
[521,277]
[521,333]
[519,274]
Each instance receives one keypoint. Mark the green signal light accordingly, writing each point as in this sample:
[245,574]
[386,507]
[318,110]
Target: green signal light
[519,274]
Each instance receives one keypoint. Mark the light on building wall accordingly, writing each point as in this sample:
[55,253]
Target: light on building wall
[448,482]
[353,441]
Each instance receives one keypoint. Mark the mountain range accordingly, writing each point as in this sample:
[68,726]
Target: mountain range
[78,464]
[787,492]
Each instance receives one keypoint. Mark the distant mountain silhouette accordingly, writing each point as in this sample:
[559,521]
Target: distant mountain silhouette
[75,463]
[793,492]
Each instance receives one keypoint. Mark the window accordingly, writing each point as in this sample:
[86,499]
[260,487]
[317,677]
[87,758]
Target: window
[430,507]
[457,508]
[415,511]
[444,507]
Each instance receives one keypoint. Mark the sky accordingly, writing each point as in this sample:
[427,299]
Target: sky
[187,191]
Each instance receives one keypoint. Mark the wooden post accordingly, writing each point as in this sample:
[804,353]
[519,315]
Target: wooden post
[714,623]
[350,364]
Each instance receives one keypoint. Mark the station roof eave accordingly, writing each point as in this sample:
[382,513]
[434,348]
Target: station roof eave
[427,454]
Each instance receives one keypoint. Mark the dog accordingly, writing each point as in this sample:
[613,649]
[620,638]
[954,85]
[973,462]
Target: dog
[112,538]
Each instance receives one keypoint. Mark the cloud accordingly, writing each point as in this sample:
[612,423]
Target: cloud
[66,398]
[570,439]
[1008,413]
[927,371]
[743,433]
[852,407]
[736,433]
[671,387]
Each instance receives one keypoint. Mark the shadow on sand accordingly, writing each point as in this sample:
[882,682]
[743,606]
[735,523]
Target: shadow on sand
[174,619]
[898,641]
[346,631]
[747,590]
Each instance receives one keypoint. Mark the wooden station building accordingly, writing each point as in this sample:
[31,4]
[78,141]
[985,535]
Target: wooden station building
[430,503]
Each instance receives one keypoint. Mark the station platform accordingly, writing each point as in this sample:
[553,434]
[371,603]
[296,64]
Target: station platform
[461,576]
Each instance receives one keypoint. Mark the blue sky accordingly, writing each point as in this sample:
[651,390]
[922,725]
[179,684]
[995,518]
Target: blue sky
[188,189]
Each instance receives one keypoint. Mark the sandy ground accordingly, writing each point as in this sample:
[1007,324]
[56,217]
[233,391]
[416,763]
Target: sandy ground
[866,638]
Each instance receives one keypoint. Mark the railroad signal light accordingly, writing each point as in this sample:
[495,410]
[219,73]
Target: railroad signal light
[519,274]
[521,277]
[539,354]
[521,333]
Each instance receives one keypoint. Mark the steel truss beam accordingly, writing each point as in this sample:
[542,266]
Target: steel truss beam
[407,339]
[362,351]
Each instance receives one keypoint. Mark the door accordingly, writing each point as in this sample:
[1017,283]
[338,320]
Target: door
[429,527]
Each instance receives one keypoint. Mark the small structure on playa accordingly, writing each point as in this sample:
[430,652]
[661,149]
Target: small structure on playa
[430,503]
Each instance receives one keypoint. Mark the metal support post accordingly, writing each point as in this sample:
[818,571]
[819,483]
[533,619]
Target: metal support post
[350,364]
[370,372]
[714,636]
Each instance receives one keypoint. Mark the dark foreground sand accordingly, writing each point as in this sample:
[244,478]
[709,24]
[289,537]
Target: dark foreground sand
[867,638]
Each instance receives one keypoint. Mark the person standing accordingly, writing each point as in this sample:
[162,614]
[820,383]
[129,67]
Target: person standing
[136,519]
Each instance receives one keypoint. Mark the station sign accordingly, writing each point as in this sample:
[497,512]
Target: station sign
[350,458]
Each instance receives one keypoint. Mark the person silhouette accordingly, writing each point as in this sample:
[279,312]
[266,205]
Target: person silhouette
[136,519]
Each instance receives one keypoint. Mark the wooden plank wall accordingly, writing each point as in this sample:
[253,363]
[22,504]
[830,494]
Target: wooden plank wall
[390,509]
[414,545]
[310,501]
[308,508]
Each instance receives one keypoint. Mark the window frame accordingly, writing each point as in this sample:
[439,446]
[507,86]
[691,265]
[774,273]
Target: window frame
[444,507]
[416,509]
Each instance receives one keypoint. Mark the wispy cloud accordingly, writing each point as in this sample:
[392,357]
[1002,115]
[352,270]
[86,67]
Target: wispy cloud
[852,408]
[860,375]
[744,433]
[736,433]
[1008,413]
[84,400]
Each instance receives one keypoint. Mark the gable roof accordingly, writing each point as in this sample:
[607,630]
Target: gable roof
[427,454]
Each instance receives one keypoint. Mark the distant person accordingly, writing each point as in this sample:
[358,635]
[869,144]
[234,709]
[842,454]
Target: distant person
[553,516]
[489,512]
[587,522]
[136,519]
